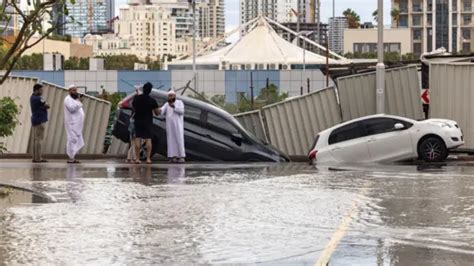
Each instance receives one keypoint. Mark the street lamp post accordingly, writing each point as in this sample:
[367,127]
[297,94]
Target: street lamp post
[380,74]
[193,3]
[304,53]
[333,30]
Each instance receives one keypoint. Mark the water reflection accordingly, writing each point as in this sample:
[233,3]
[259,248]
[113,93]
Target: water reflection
[176,174]
[248,213]
[141,174]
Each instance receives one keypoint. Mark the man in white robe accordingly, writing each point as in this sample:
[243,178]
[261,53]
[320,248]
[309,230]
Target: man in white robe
[74,122]
[173,110]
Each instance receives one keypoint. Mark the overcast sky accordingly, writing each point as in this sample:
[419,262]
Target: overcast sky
[363,7]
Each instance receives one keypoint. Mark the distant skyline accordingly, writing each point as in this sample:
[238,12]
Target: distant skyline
[365,10]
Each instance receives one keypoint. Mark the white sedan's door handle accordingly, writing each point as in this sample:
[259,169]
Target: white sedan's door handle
[371,140]
[335,149]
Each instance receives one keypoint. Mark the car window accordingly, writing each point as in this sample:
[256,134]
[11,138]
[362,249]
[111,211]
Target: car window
[192,114]
[376,126]
[221,125]
[315,142]
[347,132]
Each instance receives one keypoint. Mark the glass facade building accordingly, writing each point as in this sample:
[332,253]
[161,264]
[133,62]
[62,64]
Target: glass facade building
[90,16]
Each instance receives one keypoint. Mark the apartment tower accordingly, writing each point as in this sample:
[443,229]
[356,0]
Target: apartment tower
[436,23]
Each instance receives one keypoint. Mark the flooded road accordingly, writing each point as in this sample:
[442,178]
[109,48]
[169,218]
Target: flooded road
[106,212]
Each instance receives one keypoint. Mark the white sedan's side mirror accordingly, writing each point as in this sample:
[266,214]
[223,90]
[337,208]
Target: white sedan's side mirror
[399,126]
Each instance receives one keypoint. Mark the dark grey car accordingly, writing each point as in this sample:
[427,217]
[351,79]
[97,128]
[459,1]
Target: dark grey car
[210,133]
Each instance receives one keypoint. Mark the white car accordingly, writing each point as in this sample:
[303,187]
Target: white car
[387,138]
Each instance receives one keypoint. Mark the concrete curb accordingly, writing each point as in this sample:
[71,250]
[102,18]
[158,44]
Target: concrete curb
[62,156]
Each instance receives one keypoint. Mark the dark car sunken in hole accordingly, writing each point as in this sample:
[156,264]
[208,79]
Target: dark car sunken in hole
[210,133]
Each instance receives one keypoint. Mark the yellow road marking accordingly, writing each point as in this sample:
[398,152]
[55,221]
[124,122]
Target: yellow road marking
[341,230]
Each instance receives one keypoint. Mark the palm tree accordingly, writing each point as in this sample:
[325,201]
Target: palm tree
[375,15]
[352,17]
[395,14]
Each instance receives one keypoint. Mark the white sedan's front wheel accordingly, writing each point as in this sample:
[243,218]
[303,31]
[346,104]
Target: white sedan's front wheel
[432,149]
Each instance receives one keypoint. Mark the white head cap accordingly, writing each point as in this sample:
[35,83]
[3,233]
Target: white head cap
[72,86]
[171,92]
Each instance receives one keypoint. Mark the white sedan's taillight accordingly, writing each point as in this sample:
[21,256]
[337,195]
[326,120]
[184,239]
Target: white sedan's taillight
[312,155]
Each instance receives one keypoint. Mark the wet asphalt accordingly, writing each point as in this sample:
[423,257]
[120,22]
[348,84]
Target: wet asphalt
[104,213]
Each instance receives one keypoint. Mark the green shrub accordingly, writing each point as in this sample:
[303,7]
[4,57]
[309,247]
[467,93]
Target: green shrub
[8,119]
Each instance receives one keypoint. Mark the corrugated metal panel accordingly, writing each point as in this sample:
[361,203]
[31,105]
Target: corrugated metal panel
[452,96]
[293,124]
[97,116]
[402,94]
[118,147]
[20,89]
[253,122]
[96,121]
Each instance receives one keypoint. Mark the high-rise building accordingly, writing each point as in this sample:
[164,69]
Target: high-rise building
[210,19]
[151,28]
[216,19]
[91,16]
[309,30]
[437,23]
[7,24]
[336,28]
[279,10]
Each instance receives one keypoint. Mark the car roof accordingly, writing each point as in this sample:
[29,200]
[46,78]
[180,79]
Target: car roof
[188,100]
[365,118]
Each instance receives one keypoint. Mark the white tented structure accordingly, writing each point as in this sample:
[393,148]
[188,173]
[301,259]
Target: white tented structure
[260,48]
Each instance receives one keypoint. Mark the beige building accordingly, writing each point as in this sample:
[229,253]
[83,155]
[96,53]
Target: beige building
[150,27]
[156,31]
[212,19]
[110,44]
[365,40]
[437,23]
[67,49]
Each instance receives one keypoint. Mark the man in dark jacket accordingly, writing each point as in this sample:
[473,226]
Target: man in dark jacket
[145,107]
[39,117]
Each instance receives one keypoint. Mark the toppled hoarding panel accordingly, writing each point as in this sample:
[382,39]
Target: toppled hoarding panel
[402,94]
[96,121]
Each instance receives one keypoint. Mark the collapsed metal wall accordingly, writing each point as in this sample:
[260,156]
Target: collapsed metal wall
[452,96]
[293,124]
[402,94]
[96,121]
[118,147]
[19,89]
[253,122]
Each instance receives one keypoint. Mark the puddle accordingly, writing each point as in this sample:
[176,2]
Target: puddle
[204,214]
[12,196]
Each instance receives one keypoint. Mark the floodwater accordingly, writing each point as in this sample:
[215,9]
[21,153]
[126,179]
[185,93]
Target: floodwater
[106,212]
